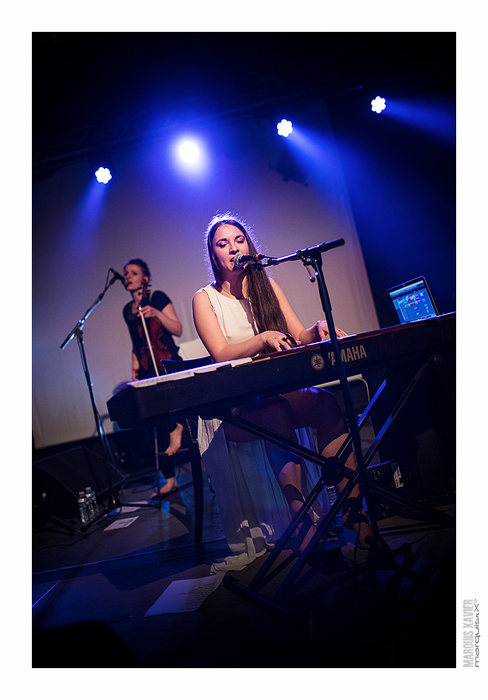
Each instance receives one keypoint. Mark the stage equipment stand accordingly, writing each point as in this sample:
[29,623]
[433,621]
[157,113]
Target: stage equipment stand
[380,555]
[113,501]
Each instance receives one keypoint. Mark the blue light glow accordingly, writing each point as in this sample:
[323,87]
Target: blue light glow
[191,156]
[103,175]
[378,104]
[432,116]
[189,151]
[284,128]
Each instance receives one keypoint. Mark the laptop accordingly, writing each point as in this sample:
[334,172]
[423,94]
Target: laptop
[413,301]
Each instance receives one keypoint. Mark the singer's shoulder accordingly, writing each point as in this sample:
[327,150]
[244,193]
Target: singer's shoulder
[206,289]
[204,292]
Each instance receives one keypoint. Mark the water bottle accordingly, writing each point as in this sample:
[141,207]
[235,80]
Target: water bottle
[82,507]
[95,504]
[91,502]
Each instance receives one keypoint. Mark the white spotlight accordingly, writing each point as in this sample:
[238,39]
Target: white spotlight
[378,104]
[190,156]
[284,128]
[189,151]
[103,175]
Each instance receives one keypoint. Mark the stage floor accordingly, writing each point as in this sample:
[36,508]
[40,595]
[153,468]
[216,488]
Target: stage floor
[91,594]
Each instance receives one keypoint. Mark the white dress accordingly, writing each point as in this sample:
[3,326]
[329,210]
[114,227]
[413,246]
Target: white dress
[252,507]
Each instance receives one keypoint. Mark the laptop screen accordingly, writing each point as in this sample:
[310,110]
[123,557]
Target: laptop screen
[413,301]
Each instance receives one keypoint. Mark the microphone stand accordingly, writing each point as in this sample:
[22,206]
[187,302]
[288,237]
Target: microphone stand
[107,457]
[77,331]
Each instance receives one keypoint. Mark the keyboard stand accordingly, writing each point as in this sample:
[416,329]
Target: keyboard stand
[379,556]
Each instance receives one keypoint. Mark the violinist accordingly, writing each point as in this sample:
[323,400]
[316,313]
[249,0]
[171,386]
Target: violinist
[152,323]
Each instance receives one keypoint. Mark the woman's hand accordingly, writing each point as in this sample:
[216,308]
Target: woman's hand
[148,312]
[278,341]
[322,329]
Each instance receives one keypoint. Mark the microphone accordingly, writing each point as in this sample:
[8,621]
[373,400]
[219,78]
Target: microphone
[240,260]
[117,276]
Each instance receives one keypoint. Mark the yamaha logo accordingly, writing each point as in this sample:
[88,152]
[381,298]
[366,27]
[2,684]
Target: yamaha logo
[317,362]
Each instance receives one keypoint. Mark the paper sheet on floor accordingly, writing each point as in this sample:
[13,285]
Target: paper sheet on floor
[185,596]
[134,506]
[125,522]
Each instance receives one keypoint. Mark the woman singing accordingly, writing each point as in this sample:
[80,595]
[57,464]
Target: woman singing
[243,313]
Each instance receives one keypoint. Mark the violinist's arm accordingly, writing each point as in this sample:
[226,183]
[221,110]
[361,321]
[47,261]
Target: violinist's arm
[167,317]
[170,320]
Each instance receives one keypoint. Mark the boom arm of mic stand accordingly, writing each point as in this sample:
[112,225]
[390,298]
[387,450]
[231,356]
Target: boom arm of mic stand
[300,254]
[81,322]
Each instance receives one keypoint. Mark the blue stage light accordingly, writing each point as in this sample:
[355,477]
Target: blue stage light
[378,104]
[284,128]
[103,175]
[189,151]
[190,156]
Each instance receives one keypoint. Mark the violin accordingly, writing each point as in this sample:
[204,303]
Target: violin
[150,331]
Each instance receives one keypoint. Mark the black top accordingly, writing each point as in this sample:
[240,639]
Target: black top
[159,300]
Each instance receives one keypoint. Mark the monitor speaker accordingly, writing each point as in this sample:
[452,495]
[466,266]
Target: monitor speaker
[57,480]
[396,481]
[422,435]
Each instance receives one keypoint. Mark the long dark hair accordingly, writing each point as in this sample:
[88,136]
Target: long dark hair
[264,302]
